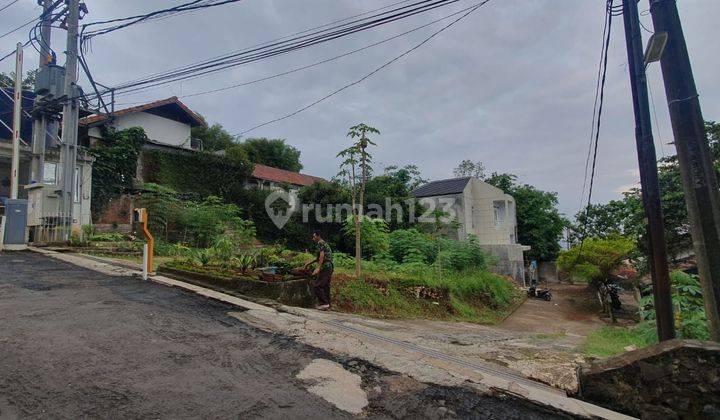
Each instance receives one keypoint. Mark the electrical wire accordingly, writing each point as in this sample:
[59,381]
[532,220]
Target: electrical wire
[18,28]
[283,47]
[315,64]
[8,5]
[603,77]
[360,80]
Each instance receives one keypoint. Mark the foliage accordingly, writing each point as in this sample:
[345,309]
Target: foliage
[593,261]
[272,152]
[357,167]
[690,318]
[115,165]
[391,190]
[608,341]
[468,168]
[106,237]
[200,173]
[540,225]
[200,223]
[627,216]
[374,234]
[407,245]
[214,137]
[28,82]
[460,255]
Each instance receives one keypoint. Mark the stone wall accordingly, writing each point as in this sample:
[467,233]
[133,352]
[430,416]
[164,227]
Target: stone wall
[673,379]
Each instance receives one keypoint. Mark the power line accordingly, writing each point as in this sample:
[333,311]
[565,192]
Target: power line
[8,5]
[274,49]
[360,80]
[606,46]
[18,28]
[315,64]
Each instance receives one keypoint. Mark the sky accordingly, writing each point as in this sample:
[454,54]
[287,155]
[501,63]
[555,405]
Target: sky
[511,85]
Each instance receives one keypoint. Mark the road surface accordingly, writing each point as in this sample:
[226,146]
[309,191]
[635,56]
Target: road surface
[75,343]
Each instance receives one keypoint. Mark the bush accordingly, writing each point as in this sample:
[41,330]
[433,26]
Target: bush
[406,245]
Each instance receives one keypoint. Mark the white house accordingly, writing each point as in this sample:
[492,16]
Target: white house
[167,124]
[483,211]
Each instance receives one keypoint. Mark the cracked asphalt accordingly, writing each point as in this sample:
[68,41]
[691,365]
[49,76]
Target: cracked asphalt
[75,343]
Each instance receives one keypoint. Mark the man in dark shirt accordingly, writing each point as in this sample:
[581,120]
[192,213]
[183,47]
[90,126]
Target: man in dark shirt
[323,272]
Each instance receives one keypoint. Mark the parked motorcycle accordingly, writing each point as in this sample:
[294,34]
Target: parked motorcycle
[537,293]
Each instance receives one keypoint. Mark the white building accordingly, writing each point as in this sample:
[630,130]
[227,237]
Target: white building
[167,124]
[483,211]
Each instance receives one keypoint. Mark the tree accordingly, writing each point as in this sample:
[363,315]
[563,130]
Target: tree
[273,152]
[540,225]
[468,168]
[593,261]
[356,163]
[214,137]
[28,82]
[392,189]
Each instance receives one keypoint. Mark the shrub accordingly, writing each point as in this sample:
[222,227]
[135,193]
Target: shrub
[411,242]
[461,255]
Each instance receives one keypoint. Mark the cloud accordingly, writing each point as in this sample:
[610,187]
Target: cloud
[512,85]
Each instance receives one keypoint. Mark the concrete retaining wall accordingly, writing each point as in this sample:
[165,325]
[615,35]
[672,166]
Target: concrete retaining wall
[510,260]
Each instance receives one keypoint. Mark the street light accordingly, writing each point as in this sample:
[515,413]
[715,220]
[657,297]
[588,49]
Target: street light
[656,47]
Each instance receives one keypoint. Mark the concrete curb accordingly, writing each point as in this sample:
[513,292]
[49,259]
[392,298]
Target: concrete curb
[537,394]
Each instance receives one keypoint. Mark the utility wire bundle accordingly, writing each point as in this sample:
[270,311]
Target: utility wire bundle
[283,46]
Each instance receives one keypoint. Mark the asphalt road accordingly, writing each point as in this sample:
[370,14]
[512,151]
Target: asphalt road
[75,343]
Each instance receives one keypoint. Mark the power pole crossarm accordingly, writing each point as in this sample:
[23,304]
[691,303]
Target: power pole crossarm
[700,183]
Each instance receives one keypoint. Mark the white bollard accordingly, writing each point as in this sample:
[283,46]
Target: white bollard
[145,269]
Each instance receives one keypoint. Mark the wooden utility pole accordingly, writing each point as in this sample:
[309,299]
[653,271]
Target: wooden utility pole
[17,123]
[700,183]
[647,161]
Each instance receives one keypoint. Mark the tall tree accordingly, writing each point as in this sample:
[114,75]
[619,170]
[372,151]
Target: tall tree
[273,152]
[214,137]
[356,164]
[540,225]
[28,82]
[468,168]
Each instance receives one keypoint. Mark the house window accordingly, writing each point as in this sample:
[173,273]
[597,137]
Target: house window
[50,173]
[499,212]
[77,192]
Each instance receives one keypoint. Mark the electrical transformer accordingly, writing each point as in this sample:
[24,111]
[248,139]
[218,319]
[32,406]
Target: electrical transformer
[50,81]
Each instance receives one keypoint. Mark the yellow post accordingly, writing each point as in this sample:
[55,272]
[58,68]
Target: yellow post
[141,216]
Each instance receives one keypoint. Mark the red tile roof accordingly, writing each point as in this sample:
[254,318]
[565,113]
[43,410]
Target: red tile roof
[268,173]
[140,108]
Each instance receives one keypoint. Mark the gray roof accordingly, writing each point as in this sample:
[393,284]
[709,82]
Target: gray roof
[441,187]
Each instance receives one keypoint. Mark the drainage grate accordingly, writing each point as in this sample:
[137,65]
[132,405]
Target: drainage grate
[482,368]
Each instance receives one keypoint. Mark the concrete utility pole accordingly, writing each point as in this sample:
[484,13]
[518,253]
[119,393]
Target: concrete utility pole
[17,123]
[696,167]
[647,160]
[68,155]
[41,122]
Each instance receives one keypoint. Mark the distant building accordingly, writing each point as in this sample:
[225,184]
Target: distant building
[483,211]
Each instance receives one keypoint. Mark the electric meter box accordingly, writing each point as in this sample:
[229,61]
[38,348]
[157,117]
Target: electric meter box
[50,81]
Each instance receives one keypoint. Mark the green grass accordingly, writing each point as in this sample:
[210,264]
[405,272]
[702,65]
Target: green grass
[474,295]
[610,341]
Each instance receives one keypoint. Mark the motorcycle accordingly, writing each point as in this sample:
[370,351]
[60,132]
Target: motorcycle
[537,293]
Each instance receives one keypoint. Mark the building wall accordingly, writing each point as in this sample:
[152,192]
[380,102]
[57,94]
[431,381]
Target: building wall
[453,204]
[490,229]
[157,128]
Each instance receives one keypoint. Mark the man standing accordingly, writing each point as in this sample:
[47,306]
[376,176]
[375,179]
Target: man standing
[323,272]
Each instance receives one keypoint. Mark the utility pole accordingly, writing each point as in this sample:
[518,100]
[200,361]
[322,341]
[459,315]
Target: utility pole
[41,121]
[700,183]
[17,123]
[68,155]
[647,161]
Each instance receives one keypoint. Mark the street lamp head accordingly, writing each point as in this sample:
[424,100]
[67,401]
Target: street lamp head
[656,47]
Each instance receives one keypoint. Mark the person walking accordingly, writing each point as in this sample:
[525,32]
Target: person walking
[323,272]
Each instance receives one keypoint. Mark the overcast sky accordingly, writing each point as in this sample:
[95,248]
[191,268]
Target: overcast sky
[512,85]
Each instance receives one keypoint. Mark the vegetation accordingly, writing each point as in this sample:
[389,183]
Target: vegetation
[214,137]
[690,320]
[468,168]
[28,82]
[272,152]
[356,167]
[115,165]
